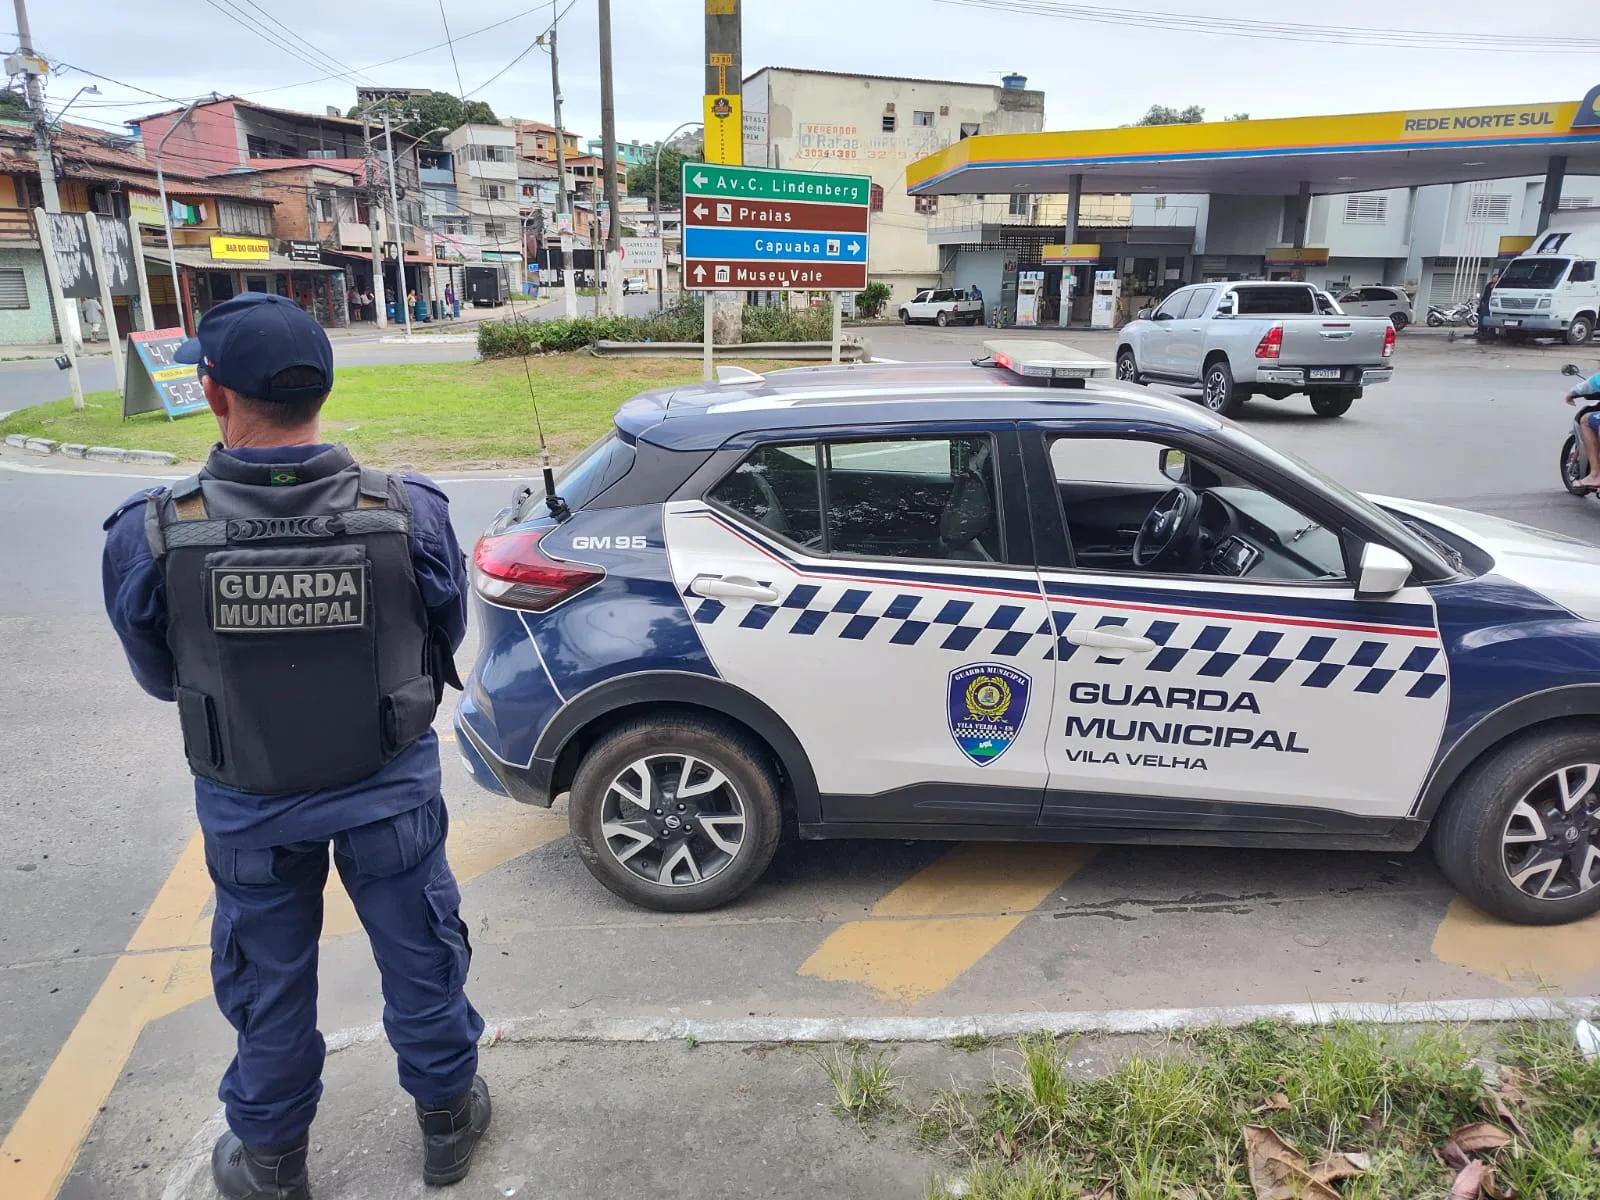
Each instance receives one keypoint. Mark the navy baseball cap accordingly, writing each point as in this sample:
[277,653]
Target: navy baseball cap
[242,343]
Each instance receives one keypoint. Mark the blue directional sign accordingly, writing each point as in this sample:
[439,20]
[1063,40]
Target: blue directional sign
[766,245]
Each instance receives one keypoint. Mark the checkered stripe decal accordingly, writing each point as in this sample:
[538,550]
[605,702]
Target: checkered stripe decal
[999,628]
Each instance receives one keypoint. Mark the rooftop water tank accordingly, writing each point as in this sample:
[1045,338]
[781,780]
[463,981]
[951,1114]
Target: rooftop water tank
[1013,82]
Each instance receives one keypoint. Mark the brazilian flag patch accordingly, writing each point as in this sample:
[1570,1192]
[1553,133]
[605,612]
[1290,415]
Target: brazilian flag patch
[283,476]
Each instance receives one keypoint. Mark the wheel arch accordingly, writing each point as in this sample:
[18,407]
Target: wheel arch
[1575,704]
[1213,356]
[589,716]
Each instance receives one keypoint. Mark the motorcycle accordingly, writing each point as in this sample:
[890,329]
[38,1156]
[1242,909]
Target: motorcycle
[1574,460]
[1464,313]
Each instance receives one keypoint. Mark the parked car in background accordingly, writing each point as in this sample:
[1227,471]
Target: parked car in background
[1379,301]
[1238,340]
[635,285]
[942,306]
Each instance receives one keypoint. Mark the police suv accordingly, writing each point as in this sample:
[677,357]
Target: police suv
[1004,600]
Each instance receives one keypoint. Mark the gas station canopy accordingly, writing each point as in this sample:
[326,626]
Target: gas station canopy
[1331,154]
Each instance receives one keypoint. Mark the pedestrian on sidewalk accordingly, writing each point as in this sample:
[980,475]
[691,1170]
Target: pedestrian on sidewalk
[93,319]
[451,302]
[303,611]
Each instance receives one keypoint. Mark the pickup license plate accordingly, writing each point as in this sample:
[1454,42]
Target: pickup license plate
[1513,324]
[1325,373]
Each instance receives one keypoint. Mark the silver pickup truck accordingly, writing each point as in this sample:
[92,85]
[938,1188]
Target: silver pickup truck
[942,306]
[1238,340]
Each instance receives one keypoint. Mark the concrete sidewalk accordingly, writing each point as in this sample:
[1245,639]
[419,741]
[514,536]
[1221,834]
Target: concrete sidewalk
[591,1122]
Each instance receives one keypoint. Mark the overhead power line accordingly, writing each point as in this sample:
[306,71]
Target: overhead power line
[1410,39]
[304,41]
[296,48]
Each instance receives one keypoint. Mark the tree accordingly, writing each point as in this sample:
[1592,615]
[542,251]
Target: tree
[11,101]
[1160,114]
[642,180]
[438,110]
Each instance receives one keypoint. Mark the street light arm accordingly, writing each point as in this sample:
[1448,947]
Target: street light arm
[166,214]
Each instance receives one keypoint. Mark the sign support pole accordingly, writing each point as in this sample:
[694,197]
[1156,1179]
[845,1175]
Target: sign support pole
[838,324]
[705,349]
[52,273]
[108,313]
[147,316]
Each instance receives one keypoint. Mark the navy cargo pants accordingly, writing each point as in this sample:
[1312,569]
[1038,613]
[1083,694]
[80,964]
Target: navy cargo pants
[264,966]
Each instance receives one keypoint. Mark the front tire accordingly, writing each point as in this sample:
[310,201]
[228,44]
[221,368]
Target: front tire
[905,317]
[1334,403]
[1520,832]
[1581,330]
[1221,395]
[677,813]
[1127,367]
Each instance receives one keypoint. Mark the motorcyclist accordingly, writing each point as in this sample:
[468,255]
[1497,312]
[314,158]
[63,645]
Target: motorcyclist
[1589,430]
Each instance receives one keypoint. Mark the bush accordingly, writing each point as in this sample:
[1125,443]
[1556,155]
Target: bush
[680,321]
[870,301]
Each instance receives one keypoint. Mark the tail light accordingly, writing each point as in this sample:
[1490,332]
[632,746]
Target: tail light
[1271,343]
[511,569]
[1388,342]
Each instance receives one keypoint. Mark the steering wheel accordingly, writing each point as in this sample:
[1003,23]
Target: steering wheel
[1168,529]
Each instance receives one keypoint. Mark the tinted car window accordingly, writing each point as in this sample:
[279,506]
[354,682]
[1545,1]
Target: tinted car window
[1380,295]
[1582,272]
[1173,306]
[1268,300]
[913,498]
[585,477]
[1199,301]
[776,488]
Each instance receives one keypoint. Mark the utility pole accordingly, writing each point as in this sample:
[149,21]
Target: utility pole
[399,229]
[608,135]
[569,286]
[379,309]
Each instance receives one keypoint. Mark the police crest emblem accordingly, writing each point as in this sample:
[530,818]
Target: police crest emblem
[987,704]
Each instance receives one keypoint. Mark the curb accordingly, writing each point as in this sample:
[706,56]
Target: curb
[190,1176]
[111,454]
[432,339]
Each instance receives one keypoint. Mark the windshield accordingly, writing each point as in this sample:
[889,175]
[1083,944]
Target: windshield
[1412,542]
[1534,274]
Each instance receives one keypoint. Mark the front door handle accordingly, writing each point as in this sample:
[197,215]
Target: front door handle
[1104,639]
[734,587]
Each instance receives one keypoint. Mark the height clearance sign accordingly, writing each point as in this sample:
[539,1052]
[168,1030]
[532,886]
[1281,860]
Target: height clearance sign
[753,229]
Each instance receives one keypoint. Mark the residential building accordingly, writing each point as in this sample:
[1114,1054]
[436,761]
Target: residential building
[107,175]
[630,155]
[874,125]
[488,192]
[537,141]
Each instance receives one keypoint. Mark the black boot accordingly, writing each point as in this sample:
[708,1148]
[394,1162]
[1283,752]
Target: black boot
[450,1134]
[259,1172]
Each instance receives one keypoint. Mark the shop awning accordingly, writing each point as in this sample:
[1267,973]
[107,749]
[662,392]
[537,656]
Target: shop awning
[197,258]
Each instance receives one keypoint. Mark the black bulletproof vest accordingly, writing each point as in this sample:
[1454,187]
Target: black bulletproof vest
[299,634]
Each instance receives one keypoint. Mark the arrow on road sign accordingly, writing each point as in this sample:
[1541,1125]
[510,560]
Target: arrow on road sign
[699,179]
[699,274]
[700,210]
[854,246]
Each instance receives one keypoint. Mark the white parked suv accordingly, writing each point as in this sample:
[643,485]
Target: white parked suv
[1375,300]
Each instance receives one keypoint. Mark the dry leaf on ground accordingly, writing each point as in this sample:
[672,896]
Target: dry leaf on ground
[1469,1183]
[1340,1166]
[1277,1102]
[1278,1171]
[1480,1136]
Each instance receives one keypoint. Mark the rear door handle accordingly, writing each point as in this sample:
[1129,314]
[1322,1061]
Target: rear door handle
[1104,639]
[733,587]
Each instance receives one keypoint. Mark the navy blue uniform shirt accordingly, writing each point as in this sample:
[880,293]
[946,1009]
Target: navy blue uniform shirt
[135,595]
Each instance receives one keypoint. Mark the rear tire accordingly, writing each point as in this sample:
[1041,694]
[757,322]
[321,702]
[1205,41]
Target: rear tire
[942,319]
[1335,402]
[1508,818]
[1399,320]
[1221,395]
[631,864]
[1581,329]
[1435,320]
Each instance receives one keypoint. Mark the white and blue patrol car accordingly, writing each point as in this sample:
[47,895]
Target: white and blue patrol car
[1006,601]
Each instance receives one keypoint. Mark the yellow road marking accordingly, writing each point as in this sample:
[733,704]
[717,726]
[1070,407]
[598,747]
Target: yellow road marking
[167,965]
[1528,958]
[935,926]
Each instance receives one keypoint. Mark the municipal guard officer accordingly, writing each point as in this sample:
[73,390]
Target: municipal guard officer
[302,611]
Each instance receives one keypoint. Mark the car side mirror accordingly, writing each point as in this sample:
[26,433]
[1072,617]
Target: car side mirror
[1383,571]
[1572,369]
[1143,314]
[1175,465]
[1161,316]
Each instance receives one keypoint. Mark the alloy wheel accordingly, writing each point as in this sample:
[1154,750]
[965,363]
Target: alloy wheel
[1550,848]
[1125,368]
[1216,391]
[673,820]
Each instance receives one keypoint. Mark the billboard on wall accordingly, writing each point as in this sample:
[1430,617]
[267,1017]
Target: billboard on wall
[69,236]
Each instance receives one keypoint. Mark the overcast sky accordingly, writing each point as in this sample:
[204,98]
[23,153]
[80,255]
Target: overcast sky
[1093,74]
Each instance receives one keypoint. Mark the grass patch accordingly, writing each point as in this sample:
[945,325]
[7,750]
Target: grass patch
[425,415]
[861,1081]
[1171,1124]
[972,1043]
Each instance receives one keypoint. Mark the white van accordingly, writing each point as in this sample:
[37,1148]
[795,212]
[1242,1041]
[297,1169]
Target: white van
[1553,289]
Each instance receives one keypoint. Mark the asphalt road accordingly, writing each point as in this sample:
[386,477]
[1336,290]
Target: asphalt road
[95,810]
